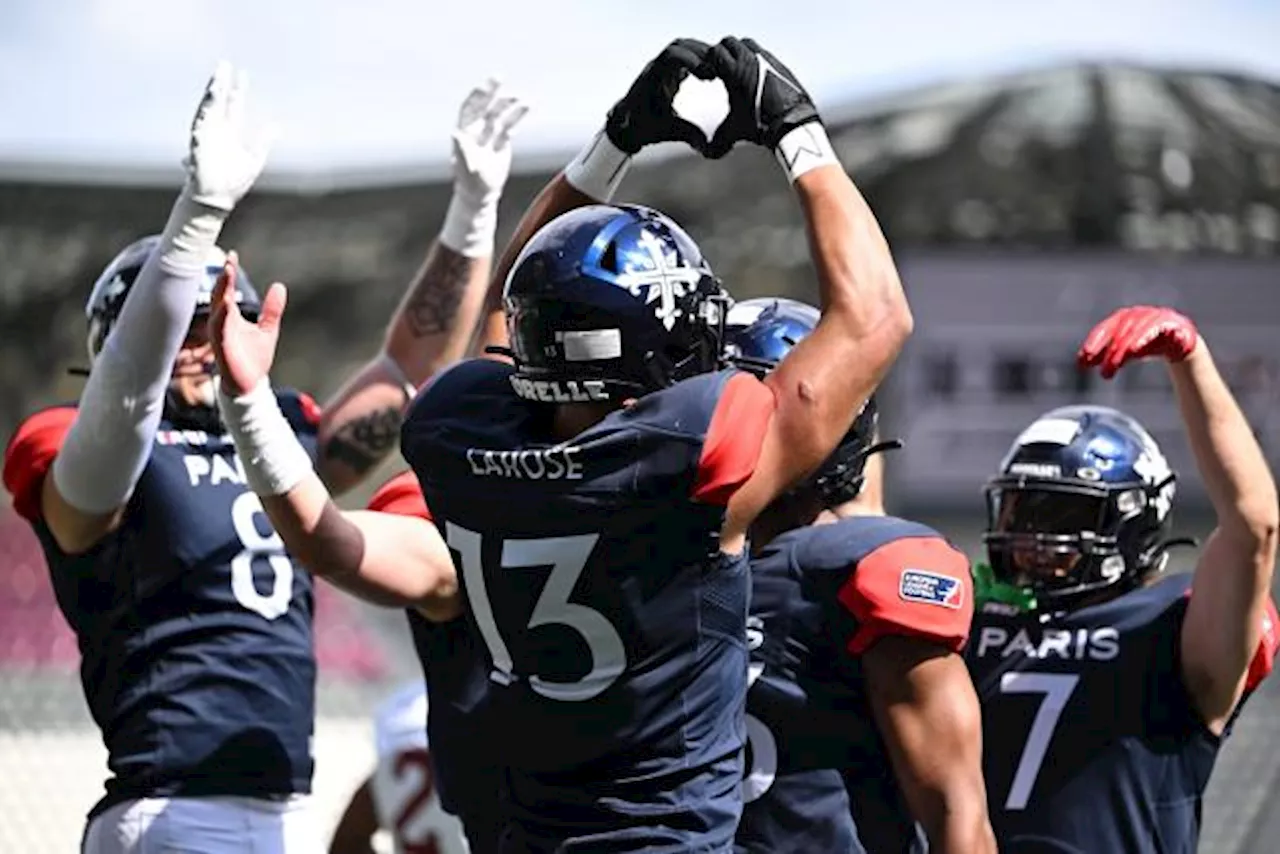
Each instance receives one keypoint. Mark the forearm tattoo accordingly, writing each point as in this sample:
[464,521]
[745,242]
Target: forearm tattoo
[433,304]
[363,442]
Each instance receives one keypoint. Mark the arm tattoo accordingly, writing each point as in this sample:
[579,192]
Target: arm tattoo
[433,304]
[361,443]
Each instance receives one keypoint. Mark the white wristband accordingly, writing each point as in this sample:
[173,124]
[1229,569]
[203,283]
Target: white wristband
[598,169]
[470,224]
[274,460]
[805,148]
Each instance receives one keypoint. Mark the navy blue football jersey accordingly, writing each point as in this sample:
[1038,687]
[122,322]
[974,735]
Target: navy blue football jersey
[469,776]
[467,770]
[820,778]
[1091,742]
[194,625]
[614,628]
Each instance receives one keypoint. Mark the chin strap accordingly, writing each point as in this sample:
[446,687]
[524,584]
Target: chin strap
[1153,554]
[192,416]
[881,447]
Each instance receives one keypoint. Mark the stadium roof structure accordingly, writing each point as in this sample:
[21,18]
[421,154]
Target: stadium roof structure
[1107,153]
[1101,153]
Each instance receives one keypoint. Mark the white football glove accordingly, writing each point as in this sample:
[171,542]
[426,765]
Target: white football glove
[481,166]
[224,162]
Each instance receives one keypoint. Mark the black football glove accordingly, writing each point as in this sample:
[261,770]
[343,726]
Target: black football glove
[765,98]
[645,115]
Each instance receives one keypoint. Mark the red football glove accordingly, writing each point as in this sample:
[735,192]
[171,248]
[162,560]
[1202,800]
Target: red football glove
[1137,332]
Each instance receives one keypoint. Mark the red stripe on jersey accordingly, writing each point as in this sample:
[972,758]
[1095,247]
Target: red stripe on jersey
[310,409]
[1265,658]
[731,447]
[914,586]
[402,495]
[29,455]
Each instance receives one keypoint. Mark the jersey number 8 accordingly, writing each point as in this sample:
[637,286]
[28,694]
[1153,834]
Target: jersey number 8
[257,546]
[567,557]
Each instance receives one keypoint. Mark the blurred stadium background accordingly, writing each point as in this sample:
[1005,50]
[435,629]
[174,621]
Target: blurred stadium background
[1022,208]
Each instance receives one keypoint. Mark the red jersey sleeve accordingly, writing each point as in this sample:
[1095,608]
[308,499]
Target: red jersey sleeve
[915,587]
[401,495]
[732,444]
[1264,659]
[29,454]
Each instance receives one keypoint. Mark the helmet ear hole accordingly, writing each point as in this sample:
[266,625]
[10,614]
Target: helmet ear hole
[95,339]
[609,260]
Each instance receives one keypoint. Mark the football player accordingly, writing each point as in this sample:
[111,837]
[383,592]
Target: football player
[465,761]
[861,718]
[401,796]
[195,626]
[465,769]
[596,494]
[1107,687]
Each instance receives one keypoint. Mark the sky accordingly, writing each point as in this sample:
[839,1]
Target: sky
[376,83]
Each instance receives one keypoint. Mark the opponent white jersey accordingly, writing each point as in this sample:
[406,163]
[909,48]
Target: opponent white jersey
[403,786]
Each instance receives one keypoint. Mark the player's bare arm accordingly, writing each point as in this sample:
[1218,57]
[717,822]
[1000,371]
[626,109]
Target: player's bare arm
[433,324]
[386,559]
[108,444]
[1228,609]
[644,116]
[823,382]
[927,711]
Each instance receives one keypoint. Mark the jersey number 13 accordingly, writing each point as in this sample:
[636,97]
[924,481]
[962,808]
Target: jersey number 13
[567,557]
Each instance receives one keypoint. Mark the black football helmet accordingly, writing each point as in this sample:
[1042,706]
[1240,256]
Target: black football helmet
[608,302]
[106,301]
[758,334]
[1082,503]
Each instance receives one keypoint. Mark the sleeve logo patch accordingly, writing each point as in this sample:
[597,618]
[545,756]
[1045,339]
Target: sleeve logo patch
[918,585]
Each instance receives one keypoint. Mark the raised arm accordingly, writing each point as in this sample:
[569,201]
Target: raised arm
[433,324]
[109,442]
[644,116]
[825,379]
[1230,619]
[387,559]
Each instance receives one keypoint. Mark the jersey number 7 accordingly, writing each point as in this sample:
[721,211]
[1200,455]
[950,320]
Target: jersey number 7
[1056,688]
[567,557]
